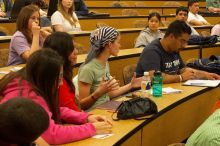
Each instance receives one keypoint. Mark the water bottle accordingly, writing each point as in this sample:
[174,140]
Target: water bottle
[157,84]
[146,85]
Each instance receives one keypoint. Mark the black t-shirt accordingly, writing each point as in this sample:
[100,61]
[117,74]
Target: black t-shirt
[154,57]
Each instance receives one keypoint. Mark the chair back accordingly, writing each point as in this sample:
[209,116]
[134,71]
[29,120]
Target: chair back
[81,49]
[128,72]
[4,57]
[120,4]
[140,23]
[205,33]
[139,4]
[129,12]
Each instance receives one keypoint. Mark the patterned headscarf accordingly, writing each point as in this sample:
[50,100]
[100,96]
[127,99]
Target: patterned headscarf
[101,36]
[98,39]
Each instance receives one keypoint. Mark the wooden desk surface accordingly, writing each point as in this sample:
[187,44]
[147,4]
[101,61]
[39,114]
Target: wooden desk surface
[141,10]
[131,56]
[128,132]
[128,37]
[108,3]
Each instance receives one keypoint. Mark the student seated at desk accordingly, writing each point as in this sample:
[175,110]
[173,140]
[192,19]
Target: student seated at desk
[63,43]
[194,18]
[163,55]
[96,85]
[65,18]
[208,133]
[151,32]
[22,122]
[182,15]
[29,36]
[39,81]
[5,8]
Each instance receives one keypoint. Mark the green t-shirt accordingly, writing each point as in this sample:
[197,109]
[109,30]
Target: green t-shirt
[213,3]
[208,134]
[92,73]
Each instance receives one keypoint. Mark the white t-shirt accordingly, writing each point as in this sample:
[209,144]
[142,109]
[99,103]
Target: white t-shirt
[58,19]
[197,17]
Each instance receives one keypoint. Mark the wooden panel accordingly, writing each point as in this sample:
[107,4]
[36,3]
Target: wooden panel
[116,67]
[212,20]
[180,122]
[10,26]
[134,140]
[189,54]
[103,3]
[124,22]
[118,11]
[207,52]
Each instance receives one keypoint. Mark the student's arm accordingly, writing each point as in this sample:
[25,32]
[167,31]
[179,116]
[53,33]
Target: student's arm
[87,99]
[213,10]
[81,8]
[45,31]
[196,23]
[35,42]
[184,75]
[2,14]
[58,28]
[205,75]
[135,83]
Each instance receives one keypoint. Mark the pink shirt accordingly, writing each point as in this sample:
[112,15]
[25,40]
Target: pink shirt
[56,133]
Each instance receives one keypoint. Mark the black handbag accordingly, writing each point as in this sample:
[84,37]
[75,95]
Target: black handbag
[135,108]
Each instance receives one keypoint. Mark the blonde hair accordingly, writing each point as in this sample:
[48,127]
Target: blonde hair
[68,16]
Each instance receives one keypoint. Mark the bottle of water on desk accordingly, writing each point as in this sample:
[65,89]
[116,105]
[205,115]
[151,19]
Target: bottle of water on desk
[146,85]
[157,84]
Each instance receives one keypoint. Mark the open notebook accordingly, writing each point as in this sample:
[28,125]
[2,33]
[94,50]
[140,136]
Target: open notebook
[110,105]
[202,83]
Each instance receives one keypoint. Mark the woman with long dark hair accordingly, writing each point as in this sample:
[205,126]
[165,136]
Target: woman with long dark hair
[65,19]
[39,81]
[29,36]
[63,43]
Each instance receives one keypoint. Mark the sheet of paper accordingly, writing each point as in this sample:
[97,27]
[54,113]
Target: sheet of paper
[170,90]
[202,83]
[4,72]
[102,136]
[14,69]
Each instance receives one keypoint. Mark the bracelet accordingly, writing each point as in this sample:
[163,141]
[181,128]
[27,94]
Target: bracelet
[93,98]
[181,78]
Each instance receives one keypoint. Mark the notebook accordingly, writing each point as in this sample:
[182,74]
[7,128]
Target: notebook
[202,83]
[110,105]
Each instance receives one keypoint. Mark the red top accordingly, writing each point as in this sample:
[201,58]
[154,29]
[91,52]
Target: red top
[67,97]
[216,106]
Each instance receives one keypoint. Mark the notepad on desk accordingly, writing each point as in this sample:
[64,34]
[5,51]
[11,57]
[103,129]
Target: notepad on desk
[110,105]
[202,83]
[170,90]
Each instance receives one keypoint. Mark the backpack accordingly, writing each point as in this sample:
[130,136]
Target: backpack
[211,64]
[199,40]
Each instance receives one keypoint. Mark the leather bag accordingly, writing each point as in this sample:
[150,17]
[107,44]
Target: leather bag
[135,108]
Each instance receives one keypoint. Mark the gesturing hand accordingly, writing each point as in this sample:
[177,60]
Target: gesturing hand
[107,86]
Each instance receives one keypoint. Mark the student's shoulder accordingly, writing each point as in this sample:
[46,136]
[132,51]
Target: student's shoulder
[87,67]
[18,36]
[56,14]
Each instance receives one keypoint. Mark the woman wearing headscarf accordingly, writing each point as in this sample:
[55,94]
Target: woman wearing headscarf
[96,85]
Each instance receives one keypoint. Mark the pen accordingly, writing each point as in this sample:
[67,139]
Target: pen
[197,84]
